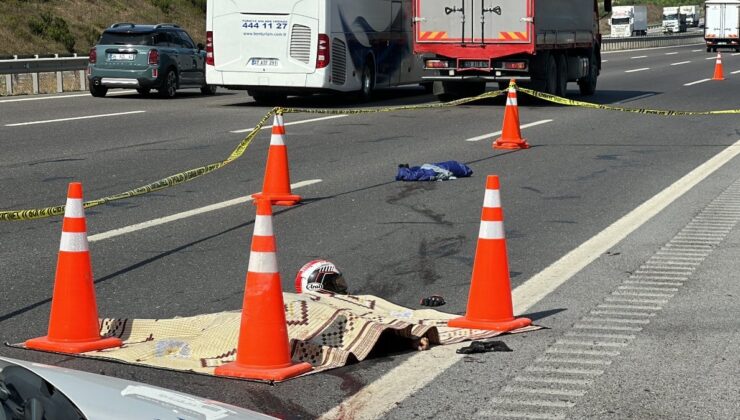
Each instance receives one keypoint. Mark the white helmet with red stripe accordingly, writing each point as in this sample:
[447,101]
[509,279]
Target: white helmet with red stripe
[319,275]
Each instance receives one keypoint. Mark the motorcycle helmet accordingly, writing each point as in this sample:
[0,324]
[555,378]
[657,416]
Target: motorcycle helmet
[319,275]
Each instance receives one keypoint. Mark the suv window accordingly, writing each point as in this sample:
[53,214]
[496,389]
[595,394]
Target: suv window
[186,40]
[116,38]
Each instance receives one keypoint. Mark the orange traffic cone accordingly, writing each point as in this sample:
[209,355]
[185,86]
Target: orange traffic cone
[263,351]
[718,74]
[489,301]
[511,135]
[73,324]
[276,185]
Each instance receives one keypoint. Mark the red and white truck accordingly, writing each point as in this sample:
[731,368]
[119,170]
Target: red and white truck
[546,43]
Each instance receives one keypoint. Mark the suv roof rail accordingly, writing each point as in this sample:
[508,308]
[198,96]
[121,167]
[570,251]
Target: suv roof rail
[116,25]
[167,25]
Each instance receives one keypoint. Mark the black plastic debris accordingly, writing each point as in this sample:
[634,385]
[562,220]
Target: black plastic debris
[483,347]
[433,300]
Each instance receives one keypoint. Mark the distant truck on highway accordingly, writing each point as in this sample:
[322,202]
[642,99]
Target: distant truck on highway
[467,43]
[692,15]
[722,24]
[673,20]
[628,21]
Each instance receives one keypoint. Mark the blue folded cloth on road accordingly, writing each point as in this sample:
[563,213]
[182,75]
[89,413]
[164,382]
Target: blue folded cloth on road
[440,171]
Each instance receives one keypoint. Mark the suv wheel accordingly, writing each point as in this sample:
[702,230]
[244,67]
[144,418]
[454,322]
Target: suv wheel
[169,85]
[208,90]
[98,91]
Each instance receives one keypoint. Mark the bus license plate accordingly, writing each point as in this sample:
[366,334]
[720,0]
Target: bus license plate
[127,57]
[264,62]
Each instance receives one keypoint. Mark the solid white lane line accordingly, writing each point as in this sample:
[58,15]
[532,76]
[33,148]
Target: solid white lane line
[80,95]
[679,63]
[636,70]
[639,56]
[115,114]
[178,216]
[266,126]
[381,395]
[697,82]
[671,53]
[490,135]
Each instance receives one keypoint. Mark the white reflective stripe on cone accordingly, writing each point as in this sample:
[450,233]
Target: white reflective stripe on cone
[73,242]
[277,140]
[262,262]
[492,199]
[263,225]
[510,101]
[74,208]
[491,230]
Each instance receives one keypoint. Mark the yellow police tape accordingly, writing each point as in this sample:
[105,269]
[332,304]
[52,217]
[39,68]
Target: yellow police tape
[182,177]
[191,174]
[570,102]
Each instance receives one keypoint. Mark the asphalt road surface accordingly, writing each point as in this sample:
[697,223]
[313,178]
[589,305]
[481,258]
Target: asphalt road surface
[620,231]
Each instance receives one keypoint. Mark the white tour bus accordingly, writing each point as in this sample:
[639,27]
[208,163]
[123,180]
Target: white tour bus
[275,48]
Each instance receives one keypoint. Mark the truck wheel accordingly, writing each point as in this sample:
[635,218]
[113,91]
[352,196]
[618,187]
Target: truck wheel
[709,49]
[551,76]
[562,77]
[587,85]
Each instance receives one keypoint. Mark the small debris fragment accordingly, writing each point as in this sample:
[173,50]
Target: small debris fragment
[483,347]
[433,300]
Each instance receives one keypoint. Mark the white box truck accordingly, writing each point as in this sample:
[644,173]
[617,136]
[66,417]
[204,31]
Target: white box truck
[722,24]
[277,48]
[692,15]
[673,20]
[628,21]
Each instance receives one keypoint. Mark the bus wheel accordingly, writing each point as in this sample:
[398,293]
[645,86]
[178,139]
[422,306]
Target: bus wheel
[367,81]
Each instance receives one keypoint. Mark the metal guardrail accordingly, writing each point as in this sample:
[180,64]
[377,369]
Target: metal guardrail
[649,41]
[34,65]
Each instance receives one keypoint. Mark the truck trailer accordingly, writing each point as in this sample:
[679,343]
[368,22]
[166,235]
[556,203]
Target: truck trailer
[467,43]
[722,24]
[628,21]
[692,15]
[673,20]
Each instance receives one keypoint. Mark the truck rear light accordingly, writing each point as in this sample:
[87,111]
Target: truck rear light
[437,64]
[153,58]
[93,57]
[155,72]
[515,65]
[210,59]
[322,52]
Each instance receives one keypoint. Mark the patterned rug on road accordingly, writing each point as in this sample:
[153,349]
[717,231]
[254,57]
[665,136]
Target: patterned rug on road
[327,331]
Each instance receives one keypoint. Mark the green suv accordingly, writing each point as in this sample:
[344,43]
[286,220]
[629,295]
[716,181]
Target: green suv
[146,57]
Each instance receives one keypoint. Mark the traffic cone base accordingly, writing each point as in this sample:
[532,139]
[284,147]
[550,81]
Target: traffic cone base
[502,143]
[513,324]
[277,373]
[62,346]
[278,199]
